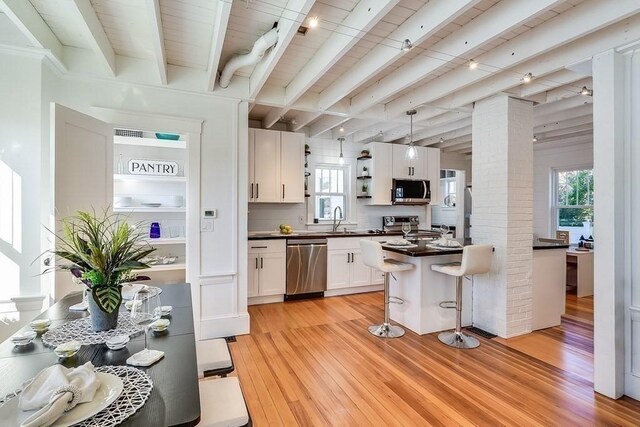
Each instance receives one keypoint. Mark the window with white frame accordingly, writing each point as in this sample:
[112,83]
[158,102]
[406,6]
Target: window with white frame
[448,187]
[573,202]
[331,191]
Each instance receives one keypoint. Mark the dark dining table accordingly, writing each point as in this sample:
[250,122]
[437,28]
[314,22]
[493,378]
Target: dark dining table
[174,400]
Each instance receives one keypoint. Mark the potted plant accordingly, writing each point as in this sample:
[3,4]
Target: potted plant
[102,252]
[364,152]
[365,189]
[365,171]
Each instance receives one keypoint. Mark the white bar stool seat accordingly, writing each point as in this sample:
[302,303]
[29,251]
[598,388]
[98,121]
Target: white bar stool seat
[373,256]
[213,358]
[476,259]
[222,403]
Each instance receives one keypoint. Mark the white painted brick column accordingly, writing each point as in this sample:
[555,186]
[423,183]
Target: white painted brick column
[502,167]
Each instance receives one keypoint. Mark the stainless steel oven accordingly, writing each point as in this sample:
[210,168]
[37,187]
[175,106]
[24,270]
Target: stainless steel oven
[410,192]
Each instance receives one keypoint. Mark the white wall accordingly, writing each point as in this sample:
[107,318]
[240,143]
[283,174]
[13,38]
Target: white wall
[20,174]
[545,159]
[267,216]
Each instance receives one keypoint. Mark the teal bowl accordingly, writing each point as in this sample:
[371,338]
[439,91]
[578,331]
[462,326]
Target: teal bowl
[171,136]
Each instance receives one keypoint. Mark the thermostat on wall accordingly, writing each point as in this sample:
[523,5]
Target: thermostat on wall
[209,213]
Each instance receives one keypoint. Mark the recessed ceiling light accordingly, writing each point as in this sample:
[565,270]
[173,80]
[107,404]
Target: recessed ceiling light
[586,92]
[313,22]
[341,128]
[535,139]
[406,45]
[473,64]
[527,77]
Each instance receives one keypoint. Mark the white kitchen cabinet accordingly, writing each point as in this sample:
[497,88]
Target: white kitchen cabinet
[292,167]
[407,169]
[276,166]
[266,268]
[345,268]
[380,166]
[432,170]
[266,152]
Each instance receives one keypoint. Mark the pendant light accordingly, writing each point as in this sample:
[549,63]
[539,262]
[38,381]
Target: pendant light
[412,152]
[341,158]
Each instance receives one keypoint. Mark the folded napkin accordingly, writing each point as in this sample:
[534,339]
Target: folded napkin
[448,242]
[398,241]
[129,291]
[56,390]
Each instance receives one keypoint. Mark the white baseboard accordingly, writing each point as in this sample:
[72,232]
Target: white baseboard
[224,326]
[349,291]
[268,299]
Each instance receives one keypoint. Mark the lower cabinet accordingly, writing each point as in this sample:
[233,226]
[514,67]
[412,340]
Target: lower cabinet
[266,269]
[345,268]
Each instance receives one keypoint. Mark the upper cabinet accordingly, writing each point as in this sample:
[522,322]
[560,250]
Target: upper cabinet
[388,161]
[404,168]
[276,166]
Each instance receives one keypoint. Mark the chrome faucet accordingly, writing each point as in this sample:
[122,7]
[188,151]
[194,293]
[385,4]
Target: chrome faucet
[335,226]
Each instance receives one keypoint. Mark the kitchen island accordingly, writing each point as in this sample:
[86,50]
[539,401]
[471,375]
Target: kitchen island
[423,289]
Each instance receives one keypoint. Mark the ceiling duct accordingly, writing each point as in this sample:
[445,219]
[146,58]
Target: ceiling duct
[257,52]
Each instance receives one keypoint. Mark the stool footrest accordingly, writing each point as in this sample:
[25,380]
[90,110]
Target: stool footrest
[395,300]
[448,304]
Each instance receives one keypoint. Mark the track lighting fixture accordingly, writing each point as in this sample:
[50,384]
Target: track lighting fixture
[441,140]
[535,139]
[473,64]
[313,22]
[412,152]
[586,92]
[527,77]
[341,128]
[341,158]
[406,45]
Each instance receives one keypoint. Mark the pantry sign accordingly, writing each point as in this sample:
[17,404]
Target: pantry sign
[153,167]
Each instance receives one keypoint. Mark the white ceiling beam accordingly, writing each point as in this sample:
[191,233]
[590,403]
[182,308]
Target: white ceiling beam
[499,19]
[272,117]
[568,91]
[157,38]
[362,18]
[574,24]
[461,148]
[541,119]
[435,138]
[223,11]
[562,105]
[442,129]
[352,126]
[565,131]
[27,19]
[561,124]
[576,140]
[424,23]
[95,34]
[549,82]
[452,142]
[303,119]
[381,127]
[292,17]
[581,134]
[324,124]
[585,47]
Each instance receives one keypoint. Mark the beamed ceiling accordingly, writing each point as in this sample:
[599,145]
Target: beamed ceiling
[348,76]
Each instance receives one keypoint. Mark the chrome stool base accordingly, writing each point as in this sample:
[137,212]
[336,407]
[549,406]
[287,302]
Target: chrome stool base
[458,340]
[386,330]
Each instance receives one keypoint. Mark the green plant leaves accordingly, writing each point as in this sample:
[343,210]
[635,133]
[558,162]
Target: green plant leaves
[107,298]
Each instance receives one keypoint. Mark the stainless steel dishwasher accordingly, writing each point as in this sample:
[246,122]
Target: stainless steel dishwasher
[306,268]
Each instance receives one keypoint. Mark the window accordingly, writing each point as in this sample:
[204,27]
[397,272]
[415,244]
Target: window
[448,187]
[574,202]
[330,192]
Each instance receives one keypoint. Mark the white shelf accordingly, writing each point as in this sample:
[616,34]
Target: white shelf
[165,267]
[167,241]
[143,209]
[149,142]
[149,178]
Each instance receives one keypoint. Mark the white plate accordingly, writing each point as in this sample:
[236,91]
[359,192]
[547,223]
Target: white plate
[398,244]
[110,388]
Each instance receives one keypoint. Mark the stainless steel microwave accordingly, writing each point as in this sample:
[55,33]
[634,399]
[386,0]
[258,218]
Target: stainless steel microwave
[410,192]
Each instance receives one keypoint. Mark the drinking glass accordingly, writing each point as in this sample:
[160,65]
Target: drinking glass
[406,229]
[444,230]
[144,311]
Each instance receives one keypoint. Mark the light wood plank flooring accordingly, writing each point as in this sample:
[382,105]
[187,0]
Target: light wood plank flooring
[314,363]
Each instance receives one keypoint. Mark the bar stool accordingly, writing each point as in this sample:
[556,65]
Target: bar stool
[222,403]
[373,256]
[214,358]
[476,259]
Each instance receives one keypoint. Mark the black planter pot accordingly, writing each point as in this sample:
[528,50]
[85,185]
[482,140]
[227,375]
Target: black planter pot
[100,320]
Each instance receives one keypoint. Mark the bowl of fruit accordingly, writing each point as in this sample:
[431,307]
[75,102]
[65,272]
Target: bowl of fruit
[285,229]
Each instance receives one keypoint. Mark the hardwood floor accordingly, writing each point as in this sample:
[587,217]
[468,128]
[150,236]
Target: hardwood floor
[314,363]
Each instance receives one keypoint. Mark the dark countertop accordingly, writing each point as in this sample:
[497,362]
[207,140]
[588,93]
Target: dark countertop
[537,245]
[421,251]
[317,235]
[175,398]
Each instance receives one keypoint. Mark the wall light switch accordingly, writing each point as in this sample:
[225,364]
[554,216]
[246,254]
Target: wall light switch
[206,224]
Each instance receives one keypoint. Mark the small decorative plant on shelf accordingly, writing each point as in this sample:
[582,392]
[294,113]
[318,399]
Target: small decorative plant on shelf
[364,153]
[102,252]
[365,189]
[365,171]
